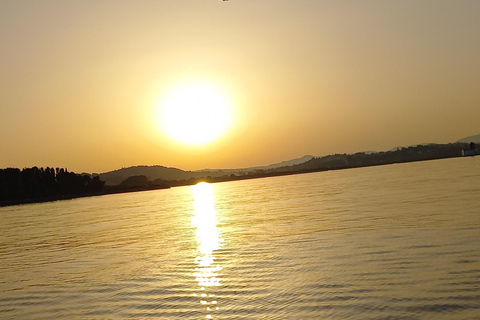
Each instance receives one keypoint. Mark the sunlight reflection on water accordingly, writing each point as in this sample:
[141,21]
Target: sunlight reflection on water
[208,238]
[388,242]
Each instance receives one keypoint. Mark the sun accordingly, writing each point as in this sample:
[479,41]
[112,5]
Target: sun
[195,114]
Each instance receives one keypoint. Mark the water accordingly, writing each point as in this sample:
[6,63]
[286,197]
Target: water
[391,242]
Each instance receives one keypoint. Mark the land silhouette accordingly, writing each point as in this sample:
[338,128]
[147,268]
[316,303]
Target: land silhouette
[45,184]
[38,184]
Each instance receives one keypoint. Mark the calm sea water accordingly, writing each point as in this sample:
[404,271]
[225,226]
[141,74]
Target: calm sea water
[391,242]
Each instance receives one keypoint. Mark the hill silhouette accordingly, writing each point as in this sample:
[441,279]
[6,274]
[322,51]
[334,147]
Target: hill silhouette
[163,176]
[153,173]
[160,175]
[39,184]
[475,139]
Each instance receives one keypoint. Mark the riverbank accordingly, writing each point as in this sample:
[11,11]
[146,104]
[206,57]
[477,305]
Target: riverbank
[95,187]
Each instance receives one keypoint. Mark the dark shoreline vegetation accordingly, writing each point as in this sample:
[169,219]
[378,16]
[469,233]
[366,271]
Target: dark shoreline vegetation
[32,185]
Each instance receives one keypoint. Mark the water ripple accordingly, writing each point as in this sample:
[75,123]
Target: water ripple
[388,242]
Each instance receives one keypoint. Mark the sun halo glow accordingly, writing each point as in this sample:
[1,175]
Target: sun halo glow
[195,114]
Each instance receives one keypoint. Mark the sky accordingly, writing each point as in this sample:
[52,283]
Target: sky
[81,81]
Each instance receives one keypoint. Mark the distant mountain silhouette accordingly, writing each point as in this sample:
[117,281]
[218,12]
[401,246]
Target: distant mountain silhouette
[421,152]
[275,165]
[153,173]
[157,174]
[49,184]
[287,163]
[475,139]
[402,147]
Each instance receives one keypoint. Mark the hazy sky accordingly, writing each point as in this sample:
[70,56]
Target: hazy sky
[80,80]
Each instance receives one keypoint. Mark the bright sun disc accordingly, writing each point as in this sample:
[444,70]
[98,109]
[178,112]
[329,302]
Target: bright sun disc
[195,114]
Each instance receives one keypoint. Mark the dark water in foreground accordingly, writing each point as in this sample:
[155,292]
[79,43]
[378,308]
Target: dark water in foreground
[391,242]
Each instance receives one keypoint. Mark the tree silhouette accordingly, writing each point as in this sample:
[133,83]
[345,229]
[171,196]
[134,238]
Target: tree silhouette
[41,184]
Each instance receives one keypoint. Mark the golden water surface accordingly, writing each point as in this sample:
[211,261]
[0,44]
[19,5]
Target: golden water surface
[390,242]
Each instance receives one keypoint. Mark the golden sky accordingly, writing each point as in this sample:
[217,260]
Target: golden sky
[80,81]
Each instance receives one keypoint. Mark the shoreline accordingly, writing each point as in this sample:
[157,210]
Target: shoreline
[179,183]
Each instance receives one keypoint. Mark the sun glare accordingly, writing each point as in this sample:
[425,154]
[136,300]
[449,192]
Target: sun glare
[195,114]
